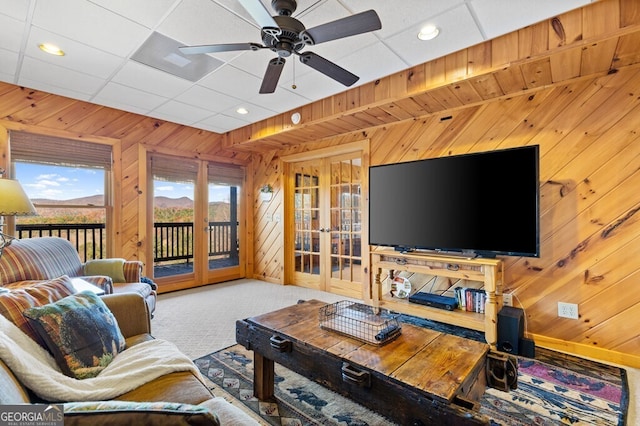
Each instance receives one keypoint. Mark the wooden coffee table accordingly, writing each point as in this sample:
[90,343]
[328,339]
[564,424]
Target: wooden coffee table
[421,377]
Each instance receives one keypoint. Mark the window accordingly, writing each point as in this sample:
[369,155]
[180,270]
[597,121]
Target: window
[68,183]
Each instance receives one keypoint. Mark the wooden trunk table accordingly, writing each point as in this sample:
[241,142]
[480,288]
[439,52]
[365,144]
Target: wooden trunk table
[421,377]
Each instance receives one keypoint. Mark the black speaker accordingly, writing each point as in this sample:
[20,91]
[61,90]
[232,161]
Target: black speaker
[527,347]
[510,329]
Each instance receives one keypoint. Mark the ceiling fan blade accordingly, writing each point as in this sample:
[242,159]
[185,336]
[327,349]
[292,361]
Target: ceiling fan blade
[213,48]
[359,23]
[259,13]
[328,68]
[272,75]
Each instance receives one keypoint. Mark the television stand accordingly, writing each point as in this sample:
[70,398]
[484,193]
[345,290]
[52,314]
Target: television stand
[488,272]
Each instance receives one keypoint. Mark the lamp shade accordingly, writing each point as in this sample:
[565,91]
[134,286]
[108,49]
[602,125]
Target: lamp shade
[13,199]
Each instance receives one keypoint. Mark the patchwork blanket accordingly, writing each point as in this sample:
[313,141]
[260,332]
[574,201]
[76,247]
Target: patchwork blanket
[135,366]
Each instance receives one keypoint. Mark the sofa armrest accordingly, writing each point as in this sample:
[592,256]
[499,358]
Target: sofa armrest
[133,271]
[102,281]
[131,312]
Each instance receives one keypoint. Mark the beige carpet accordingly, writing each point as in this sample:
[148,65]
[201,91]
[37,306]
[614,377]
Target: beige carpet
[179,317]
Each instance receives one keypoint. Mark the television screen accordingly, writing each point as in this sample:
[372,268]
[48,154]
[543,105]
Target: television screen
[486,203]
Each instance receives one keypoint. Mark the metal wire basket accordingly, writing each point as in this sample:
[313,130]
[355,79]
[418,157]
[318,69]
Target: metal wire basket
[362,322]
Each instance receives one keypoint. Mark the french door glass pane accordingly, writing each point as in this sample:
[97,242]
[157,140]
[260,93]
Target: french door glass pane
[173,215]
[345,220]
[225,185]
[306,218]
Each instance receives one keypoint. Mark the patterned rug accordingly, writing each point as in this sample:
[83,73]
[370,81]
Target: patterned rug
[552,389]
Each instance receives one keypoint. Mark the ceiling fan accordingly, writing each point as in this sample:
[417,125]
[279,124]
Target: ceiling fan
[287,36]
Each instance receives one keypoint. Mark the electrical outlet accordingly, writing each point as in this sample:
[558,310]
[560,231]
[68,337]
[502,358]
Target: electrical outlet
[507,299]
[568,310]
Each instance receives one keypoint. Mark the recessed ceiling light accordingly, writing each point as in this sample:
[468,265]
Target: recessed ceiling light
[52,49]
[428,32]
[242,110]
[295,118]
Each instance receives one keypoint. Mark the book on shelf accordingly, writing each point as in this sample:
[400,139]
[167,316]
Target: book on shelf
[471,299]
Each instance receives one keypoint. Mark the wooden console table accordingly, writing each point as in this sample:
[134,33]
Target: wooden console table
[489,272]
[422,377]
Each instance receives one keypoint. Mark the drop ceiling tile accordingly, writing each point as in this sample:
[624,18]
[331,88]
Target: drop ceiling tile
[143,101]
[8,64]
[281,100]
[90,24]
[198,22]
[459,30]
[221,123]
[14,9]
[232,81]
[208,99]
[10,33]
[256,112]
[78,57]
[49,88]
[312,14]
[57,76]
[118,104]
[181,112]
[337,49]
[516,14]
[150,80]
[146,12]
[314,85]
[415,12]
[372,62]
[6,77]
[235,7]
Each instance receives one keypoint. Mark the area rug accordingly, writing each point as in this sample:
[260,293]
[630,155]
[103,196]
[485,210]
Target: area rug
[553,389]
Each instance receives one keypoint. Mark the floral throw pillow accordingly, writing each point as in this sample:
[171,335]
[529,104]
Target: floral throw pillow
[81,333]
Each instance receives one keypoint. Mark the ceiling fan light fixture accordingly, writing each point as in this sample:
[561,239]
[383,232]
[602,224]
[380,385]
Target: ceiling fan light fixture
[428,32]
[51,49]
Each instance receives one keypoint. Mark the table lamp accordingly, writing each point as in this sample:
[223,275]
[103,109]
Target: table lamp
[13,202]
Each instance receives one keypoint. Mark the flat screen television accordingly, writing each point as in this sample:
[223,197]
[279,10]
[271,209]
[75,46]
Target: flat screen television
[481,204]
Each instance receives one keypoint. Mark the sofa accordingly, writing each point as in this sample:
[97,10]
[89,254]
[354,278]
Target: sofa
[46,258]
[171,398]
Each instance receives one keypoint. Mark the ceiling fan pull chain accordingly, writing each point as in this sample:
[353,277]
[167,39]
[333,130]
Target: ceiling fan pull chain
[293,86]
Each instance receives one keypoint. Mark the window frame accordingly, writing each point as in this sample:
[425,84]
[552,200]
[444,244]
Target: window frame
[112,194]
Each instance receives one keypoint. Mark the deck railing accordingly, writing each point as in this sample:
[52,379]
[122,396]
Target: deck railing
[173,241]
[89,239]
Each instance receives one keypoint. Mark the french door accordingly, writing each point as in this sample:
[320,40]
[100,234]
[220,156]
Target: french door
[327,223]
[198,212]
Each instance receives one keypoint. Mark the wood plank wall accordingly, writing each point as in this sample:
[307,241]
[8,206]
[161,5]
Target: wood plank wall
[590,169]
[589,138]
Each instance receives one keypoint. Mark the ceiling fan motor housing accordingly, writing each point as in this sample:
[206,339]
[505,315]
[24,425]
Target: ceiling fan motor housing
[289,40]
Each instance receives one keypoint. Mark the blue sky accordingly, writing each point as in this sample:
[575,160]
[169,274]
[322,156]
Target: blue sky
[65,183]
